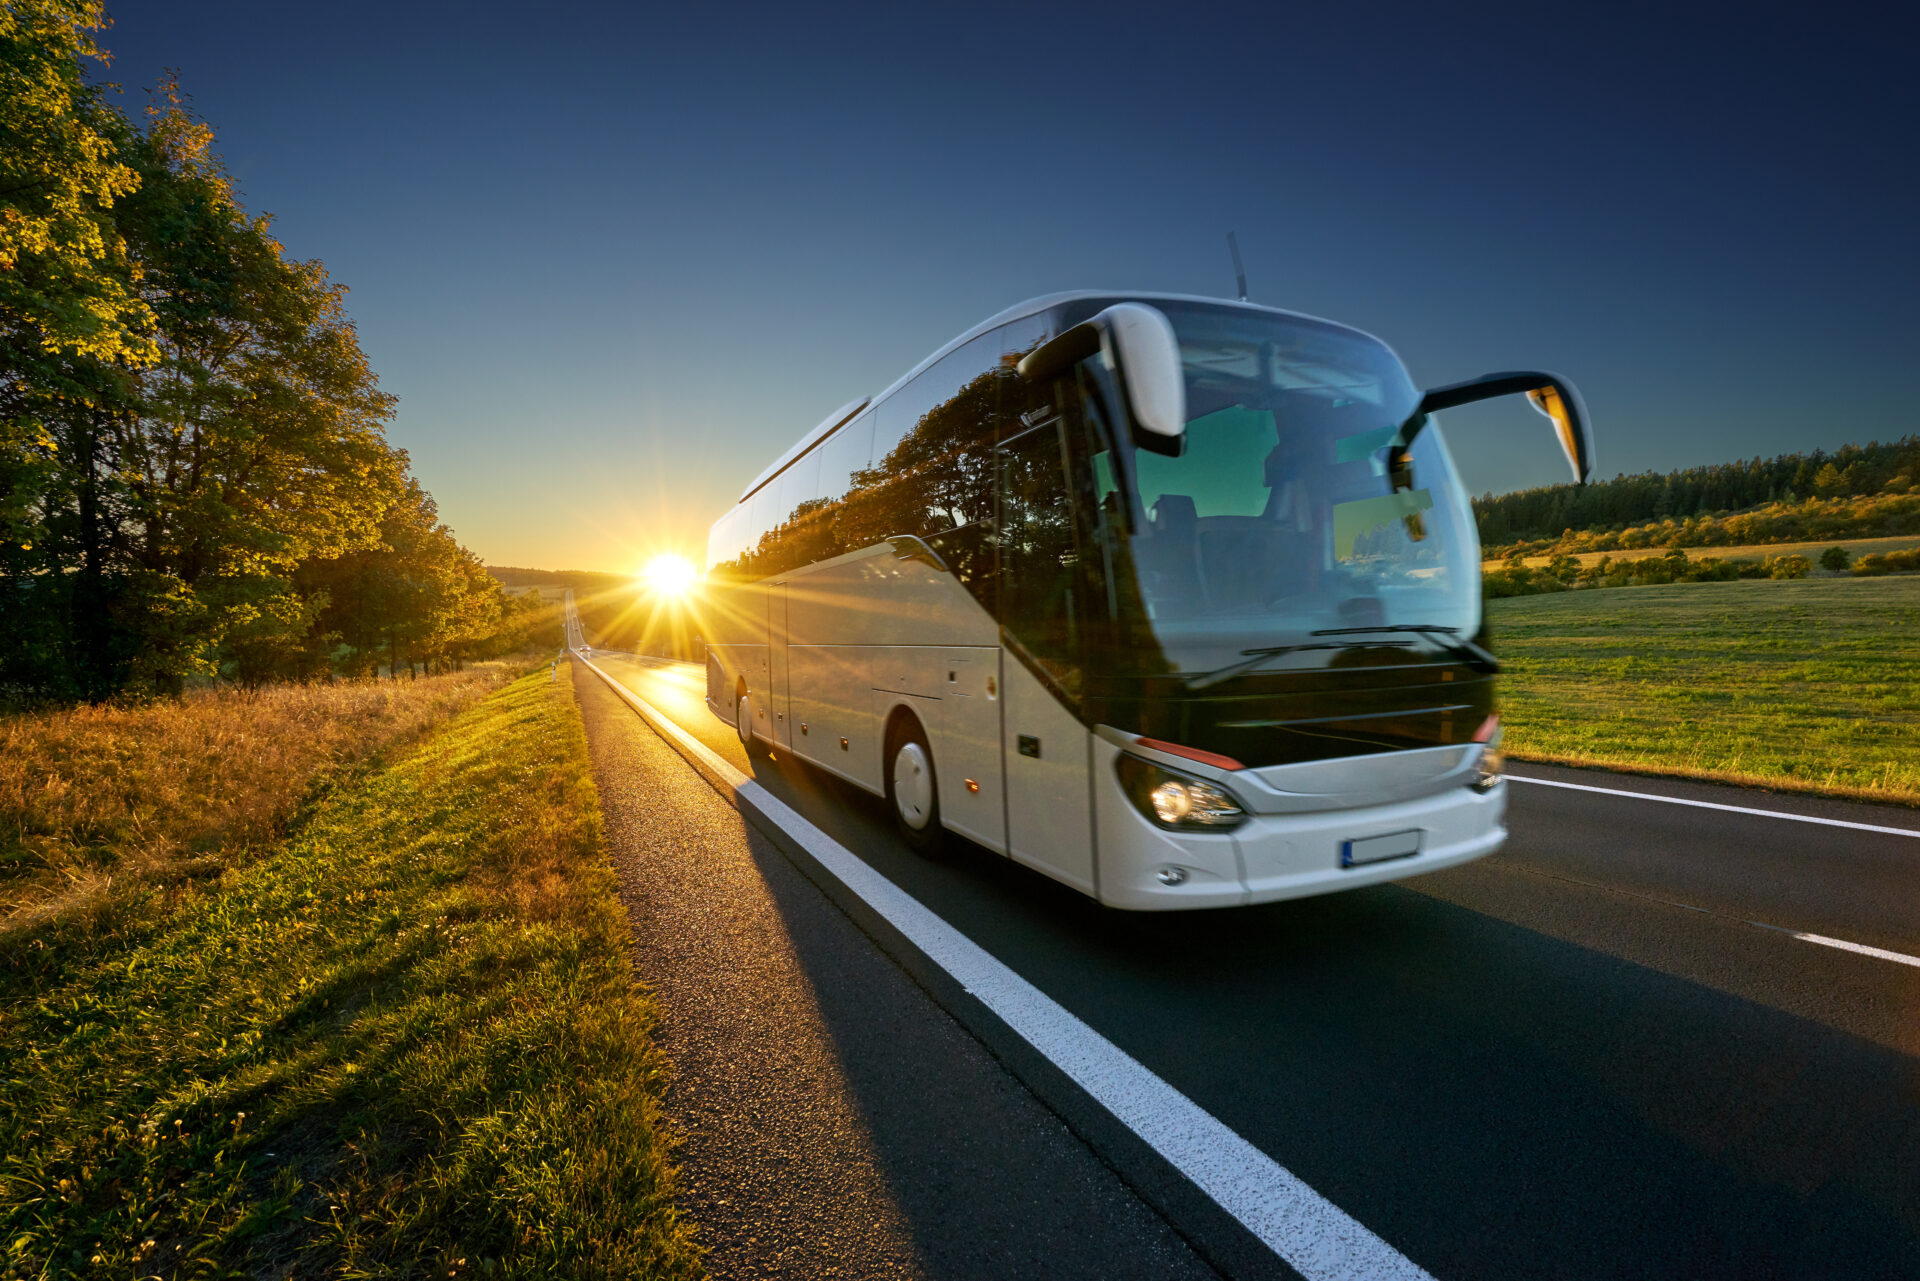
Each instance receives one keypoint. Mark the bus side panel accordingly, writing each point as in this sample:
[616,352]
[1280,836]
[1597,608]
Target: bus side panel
[966,742]
[831,707]
[962,724]
[1049,812]
[737,645]
[895,601]
[778,725]
[935,652]
[827,664]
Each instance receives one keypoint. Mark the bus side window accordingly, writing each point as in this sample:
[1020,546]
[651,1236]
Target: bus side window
[925,480]
[795,504]
[847,451]
[755,529]
[844,455]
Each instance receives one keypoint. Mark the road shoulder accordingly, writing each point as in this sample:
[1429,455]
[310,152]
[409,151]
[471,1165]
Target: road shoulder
[836,1121]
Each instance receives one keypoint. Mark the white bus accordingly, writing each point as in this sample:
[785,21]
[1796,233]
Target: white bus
[1175,600]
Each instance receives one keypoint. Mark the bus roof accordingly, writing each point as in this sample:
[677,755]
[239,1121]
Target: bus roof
[846,413]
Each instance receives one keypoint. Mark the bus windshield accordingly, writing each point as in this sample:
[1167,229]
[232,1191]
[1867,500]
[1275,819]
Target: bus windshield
[1307,498]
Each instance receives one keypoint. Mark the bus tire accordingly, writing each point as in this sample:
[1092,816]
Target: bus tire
[743,723]
[913,790]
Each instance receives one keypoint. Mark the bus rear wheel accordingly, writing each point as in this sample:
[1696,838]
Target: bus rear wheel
[743,722]
[913,791]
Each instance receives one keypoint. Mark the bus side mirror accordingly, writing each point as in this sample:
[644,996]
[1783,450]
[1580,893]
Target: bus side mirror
[1140,341]
[1551,394]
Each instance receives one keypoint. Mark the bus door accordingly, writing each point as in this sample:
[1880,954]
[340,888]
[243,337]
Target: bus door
[1044,744]
[779,722]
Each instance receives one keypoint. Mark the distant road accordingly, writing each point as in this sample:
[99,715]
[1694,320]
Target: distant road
[1660,1035]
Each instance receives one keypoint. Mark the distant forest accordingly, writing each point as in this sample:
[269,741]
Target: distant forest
[195,480]
[581,580]
[1698,494]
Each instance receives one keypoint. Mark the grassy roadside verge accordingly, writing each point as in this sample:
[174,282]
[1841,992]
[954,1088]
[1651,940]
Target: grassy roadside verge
[102,805]
[1801,685]
[404,1040]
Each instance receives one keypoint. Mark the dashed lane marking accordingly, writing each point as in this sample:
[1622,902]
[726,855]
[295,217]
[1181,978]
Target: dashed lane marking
[1900,958]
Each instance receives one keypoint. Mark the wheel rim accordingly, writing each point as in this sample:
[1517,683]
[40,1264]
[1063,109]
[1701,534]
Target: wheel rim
[742,719]
[913,785]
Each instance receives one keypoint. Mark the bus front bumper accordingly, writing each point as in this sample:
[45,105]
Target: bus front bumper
[1273,857]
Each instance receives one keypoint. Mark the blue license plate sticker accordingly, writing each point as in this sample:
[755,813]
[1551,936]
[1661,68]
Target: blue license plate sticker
[1378,849]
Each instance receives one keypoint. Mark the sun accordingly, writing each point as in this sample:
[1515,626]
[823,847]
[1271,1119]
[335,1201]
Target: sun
[670,575]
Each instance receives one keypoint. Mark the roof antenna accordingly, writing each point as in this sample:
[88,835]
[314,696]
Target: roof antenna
[1239,272]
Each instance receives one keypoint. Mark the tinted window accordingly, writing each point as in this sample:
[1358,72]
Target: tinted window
[900,415]
[1040,600]
[797,540]
[1016,338]
[799,487]
[920,463]
[931,474]
[725,544]
[759,521]
[845,452]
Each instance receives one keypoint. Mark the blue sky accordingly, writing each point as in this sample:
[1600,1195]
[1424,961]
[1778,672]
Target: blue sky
[614,259]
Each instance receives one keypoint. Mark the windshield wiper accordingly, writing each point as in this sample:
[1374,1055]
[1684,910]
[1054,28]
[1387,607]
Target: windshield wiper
[1253,659]
[1465,650]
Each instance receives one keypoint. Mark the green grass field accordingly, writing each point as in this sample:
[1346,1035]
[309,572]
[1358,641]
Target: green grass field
[1806,684]
[401,1040]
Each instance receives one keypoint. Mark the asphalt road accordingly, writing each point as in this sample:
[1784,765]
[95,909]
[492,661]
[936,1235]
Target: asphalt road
[835,1122]
[1602,1052]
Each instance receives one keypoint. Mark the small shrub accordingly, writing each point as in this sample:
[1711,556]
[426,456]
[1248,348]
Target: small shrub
[1871,566]
[1789,567]
[1835,559]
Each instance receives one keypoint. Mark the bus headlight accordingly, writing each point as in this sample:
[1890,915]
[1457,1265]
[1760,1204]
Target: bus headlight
[1493,763]
[1178,801]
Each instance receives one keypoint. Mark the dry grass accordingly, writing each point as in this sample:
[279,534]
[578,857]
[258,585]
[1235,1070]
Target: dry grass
[403,1041]
[92,795]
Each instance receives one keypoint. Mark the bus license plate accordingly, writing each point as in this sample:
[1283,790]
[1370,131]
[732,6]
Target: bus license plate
[1378,849]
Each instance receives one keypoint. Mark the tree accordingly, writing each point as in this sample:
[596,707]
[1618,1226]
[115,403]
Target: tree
[1835,559]
[194,475]
[191,476]
[1788,566]
[417,597]
[71,319]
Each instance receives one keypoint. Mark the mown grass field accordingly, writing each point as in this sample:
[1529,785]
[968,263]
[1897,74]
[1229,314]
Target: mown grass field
[402,1039]
[1857,547]
[1805,684]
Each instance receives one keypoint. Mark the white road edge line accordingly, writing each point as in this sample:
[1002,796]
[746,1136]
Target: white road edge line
[1315,1237]
[1714,805]
[1881,952]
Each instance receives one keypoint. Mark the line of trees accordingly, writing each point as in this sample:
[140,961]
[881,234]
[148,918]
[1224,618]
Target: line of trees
[1546,512]
[194,474]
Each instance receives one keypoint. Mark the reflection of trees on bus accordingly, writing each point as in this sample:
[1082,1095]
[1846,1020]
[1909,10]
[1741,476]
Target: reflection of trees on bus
[1000,481]
[936,484]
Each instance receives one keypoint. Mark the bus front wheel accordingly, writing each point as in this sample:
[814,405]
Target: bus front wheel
[913,789]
